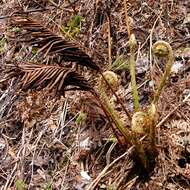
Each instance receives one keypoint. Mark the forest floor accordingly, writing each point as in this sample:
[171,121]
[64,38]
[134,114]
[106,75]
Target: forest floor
[45,141]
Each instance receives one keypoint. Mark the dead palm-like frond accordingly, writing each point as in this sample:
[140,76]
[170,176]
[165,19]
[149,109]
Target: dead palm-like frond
[50,43]
[53,78]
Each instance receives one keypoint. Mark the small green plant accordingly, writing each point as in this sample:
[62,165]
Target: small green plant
[34,50]
[120,64]
[81,117]
[112,187]
[49,186]
[73,26]
[14,29]
[20,185]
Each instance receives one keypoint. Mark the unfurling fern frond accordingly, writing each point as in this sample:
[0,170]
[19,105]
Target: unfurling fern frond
[52,78]
[50,43]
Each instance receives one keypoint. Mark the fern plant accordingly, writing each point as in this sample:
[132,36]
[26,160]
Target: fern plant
[60,79]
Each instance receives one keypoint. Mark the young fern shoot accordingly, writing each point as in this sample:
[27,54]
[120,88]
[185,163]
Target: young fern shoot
[160,49]
[113,81]
[145,122]
[163,49]
[132,45]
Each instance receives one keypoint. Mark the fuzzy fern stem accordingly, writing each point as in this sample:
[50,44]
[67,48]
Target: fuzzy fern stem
[152,129]
[132,45]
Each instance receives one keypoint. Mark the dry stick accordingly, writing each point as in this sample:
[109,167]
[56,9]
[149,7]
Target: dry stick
[169,114]
[108,154]
[98,178]
[150,51]
[127,19]
[103,172]
[35,145]
[109,42]
[11,177]
[24,12]
[150,35]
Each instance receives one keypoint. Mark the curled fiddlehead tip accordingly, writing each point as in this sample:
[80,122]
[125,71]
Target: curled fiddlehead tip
[111,78]
[139,122]
[162,49]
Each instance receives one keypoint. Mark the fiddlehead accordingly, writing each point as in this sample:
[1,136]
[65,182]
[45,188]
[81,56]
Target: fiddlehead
[113,81]
[163,49]
[160,49]
[139,122]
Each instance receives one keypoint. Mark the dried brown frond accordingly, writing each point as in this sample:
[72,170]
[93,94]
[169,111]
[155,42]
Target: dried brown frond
[50,43]
[53,78]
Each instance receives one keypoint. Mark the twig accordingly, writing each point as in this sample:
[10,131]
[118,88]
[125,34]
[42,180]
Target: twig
[108,154]
[35,145]
[24,12]
[109,42]
[11,177]
[63,118]
[98,178]
[127,19]
[150,50]
[169,114]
